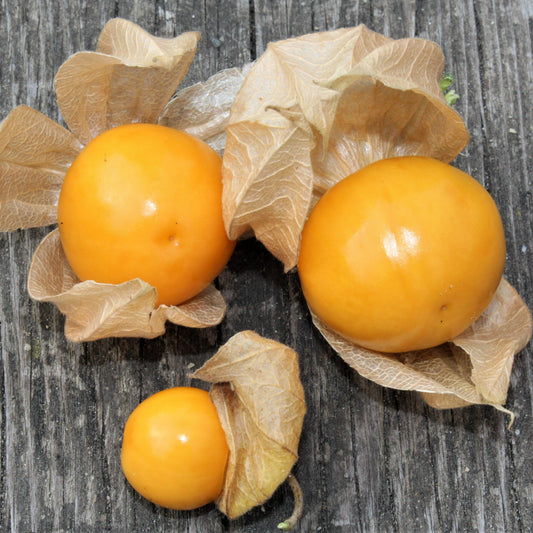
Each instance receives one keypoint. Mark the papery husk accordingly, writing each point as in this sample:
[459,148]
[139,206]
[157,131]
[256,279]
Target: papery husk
[261,405]
[97,310]
[316,108]
[473,368]
[35,153]
[129,79]
[203,109]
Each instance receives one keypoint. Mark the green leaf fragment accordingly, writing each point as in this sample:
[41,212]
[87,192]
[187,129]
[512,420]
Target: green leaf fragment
[445,82]
[451,97]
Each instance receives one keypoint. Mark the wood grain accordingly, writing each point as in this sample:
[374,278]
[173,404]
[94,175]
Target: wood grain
[371,459]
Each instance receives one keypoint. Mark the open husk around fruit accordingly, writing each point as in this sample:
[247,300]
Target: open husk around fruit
[313,110]
[260,401]
[131,77]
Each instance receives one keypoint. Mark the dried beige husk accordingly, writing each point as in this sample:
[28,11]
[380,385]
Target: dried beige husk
[130,78]
[474,368]
[314,109]
[97,310]
[35,153]
[203,109]
[260,401]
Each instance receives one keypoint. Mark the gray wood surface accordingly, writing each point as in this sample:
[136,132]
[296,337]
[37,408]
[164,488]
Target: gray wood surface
[371,459]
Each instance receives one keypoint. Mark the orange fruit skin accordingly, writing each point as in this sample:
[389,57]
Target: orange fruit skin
[174,450]
[402,255]
[145,201]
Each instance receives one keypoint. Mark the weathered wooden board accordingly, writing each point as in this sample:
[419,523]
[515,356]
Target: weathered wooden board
[371,459]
